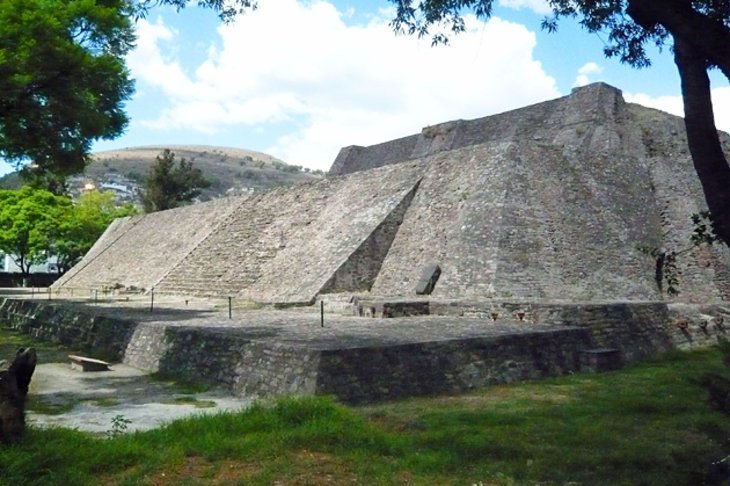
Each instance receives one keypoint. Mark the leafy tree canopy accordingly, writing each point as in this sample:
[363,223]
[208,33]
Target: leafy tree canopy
[227,9]
[629,24]
[83,223]
[29,221]
[35,224]
[167,185]
[63,80]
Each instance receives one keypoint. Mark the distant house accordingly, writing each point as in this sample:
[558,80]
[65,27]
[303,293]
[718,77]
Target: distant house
[8,265]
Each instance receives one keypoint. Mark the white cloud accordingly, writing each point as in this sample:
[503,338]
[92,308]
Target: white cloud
[586,72]
[334,84]
[673,105]
[537,6]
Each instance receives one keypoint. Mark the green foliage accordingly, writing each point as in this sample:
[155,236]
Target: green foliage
[35,223]
[227,10]
[63,81]
[44,179]
[704,229]
[120,424]
[718,384]
[29,222]
[83,223]
[649,422]
[667,272]
[168,185]
[626,26]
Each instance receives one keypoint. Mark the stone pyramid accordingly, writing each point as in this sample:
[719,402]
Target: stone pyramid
[566,200]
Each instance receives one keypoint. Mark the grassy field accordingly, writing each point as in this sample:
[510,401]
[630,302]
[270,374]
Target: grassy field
[649,424]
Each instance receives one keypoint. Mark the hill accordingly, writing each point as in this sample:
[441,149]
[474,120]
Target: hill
[230,170]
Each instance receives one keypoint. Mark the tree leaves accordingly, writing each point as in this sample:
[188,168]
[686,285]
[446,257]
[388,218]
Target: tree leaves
[168,185]
[29,219]
[63,80]
[35,224]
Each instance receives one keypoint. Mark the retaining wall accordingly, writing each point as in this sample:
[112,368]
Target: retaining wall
[66,325]
[256,362]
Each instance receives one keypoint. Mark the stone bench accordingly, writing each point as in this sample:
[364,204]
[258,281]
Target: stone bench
[83,363]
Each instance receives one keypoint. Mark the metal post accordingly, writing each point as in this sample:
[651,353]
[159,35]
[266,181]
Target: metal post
[152,300]
[321,312]
[230,303]
[96,295]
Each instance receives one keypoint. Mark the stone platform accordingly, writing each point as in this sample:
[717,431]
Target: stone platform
[266,353]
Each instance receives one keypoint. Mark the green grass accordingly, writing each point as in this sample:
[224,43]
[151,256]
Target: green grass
[649,424]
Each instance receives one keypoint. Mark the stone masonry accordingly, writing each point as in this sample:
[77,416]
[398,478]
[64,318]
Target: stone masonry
[274,353]
[515,246]
[570,199]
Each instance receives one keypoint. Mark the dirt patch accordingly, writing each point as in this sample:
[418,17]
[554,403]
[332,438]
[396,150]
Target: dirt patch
[90,401]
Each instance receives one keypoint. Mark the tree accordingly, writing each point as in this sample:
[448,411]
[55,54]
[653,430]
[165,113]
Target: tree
[29,222]
[698,31]
[167,185]
[227,9]
[63,81]
[83,223]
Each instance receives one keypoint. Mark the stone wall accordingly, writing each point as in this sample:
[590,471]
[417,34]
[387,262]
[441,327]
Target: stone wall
[585,106]
[359,271]
[234,255]
[274,369]
[569,199]
[704,272]
[255,361]
[113,233]
[637,328]
[526,221]
[142,250]
[356,158]
[385,373]
[66,325]
[322,243]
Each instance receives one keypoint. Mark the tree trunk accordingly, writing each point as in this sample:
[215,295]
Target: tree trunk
[14,382]
[702,138]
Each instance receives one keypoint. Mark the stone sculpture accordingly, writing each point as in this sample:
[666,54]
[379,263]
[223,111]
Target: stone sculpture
[14,383]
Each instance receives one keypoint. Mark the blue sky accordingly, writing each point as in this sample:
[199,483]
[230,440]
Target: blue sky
[299,80]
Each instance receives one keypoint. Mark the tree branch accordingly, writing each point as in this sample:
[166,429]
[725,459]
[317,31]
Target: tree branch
[706,35]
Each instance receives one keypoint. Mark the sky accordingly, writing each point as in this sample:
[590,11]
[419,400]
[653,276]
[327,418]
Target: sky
[299,80]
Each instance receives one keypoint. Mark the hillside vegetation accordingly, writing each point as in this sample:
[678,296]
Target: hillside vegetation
[230,170]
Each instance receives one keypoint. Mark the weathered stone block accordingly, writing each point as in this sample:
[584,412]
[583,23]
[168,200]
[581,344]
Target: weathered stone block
[427,281]
[599,360]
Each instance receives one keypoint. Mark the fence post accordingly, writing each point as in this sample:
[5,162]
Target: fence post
[321,312]
[230,304]
[152,300]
